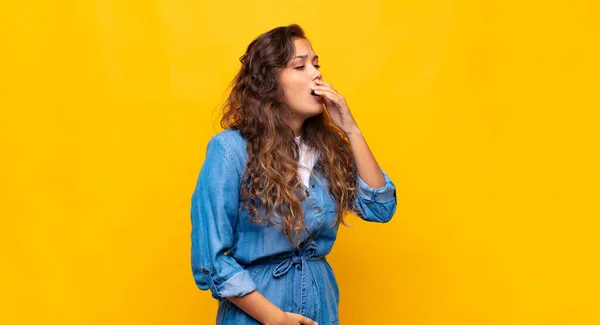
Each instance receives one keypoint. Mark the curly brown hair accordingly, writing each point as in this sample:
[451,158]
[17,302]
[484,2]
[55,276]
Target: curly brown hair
[257,109]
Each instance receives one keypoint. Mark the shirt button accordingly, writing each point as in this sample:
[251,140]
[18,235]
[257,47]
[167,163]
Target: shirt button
[312,185]
[205,271]
[319,209]
[307,193]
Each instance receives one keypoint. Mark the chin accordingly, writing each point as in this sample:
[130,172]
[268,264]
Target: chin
[317,111]
[311,111]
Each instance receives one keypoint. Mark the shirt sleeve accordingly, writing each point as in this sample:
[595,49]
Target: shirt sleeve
[215,202]
[376,204]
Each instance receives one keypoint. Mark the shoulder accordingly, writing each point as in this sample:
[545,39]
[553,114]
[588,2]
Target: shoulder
[232,144]
[231,140]
[231,137]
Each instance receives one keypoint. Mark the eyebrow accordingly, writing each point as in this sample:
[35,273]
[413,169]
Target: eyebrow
[305,56]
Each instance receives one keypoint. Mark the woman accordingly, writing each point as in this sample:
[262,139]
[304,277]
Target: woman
[274,186]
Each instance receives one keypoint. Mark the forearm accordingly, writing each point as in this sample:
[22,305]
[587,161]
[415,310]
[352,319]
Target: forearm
[259,307]
[366,165]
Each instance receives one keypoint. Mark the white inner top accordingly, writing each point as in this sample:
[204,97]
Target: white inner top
[306,161]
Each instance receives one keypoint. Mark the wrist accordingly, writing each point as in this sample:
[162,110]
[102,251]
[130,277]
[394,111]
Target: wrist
[353,131]
[276,317]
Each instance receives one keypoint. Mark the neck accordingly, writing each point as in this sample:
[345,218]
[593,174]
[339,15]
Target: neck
[296,125]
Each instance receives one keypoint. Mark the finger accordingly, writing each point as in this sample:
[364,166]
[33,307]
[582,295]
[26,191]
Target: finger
[321,82]
[329,103]
[306,321]
[334,97]
[325,88]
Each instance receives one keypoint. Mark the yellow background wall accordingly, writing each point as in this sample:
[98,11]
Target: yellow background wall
[484,113]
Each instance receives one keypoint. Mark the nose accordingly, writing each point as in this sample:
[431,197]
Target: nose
[317,75]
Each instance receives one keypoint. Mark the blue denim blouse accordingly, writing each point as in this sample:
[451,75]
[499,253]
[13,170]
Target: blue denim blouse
[227,250]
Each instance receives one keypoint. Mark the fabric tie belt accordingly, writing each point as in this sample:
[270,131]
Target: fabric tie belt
[301,257]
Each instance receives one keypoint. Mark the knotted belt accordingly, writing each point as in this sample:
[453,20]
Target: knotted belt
[301,257]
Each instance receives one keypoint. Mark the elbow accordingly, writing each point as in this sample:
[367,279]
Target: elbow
[387,212]
[387,217]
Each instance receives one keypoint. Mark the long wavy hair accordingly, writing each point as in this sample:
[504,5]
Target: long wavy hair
[256,108]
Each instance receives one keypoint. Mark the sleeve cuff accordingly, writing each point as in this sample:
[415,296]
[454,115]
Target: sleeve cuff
[238,285]
[380,194]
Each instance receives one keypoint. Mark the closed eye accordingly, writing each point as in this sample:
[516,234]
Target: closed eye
[302,67]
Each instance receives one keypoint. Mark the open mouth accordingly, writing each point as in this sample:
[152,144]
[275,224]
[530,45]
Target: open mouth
[312,92]
[317,97]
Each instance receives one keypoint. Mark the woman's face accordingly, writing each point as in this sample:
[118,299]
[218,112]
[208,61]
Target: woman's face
[296,79]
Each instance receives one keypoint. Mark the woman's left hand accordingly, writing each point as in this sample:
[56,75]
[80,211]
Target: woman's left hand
[336,106]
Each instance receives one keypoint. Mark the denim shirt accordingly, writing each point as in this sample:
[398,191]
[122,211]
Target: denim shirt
[225,244]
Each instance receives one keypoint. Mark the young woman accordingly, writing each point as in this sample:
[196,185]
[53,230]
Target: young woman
[275,185]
